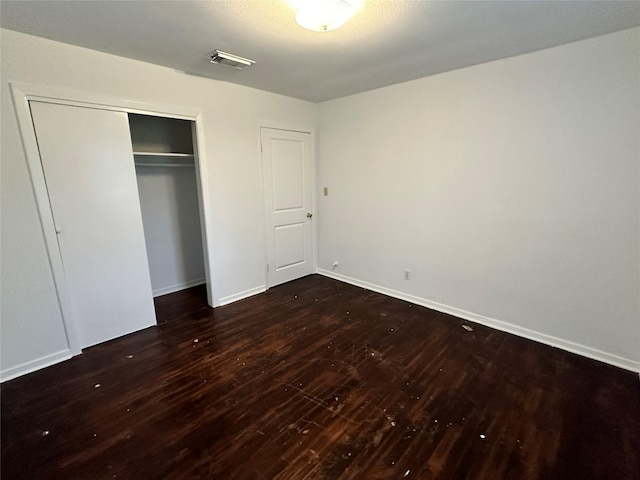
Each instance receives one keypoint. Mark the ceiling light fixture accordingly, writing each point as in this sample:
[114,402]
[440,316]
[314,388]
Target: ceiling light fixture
[324,15]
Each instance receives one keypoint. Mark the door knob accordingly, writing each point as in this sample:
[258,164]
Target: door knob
[309,214]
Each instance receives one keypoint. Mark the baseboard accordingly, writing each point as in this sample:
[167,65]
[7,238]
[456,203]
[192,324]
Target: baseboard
[33,365]
[177,287]
[611,359]
[239,296]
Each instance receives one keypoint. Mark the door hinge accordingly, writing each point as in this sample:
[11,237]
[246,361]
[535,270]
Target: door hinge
[261,151]
[267,267]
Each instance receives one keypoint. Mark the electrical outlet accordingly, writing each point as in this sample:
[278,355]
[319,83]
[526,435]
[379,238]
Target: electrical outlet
[407,274]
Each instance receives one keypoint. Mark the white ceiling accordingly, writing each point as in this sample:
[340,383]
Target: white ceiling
[387,42]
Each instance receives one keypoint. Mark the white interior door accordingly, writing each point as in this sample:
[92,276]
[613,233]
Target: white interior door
[287,169]
[87,160]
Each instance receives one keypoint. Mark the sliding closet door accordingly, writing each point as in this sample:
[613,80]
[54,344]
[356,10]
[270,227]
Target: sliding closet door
[88,166]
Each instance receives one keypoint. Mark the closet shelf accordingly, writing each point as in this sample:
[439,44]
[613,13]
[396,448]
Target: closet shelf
[163,155]
[156,159]
[149,164]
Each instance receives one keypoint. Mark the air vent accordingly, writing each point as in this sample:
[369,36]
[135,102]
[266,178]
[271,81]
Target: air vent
[224,58]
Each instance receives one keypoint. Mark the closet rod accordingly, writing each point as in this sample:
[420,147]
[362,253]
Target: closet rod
[163,165]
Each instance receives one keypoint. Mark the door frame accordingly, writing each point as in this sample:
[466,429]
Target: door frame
[300,128]
[22,94]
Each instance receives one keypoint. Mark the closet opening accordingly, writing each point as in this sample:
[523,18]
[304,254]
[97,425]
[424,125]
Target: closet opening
[165,164]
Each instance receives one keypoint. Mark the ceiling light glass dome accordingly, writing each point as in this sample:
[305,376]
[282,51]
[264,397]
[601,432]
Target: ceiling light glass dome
[324,15]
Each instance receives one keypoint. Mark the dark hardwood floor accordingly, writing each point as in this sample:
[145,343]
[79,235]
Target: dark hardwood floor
[180,304]
[317,379]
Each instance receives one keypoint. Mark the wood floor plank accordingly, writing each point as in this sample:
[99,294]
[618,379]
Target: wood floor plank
[317,379]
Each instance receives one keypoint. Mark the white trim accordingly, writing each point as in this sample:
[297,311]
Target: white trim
[300,127]
[33,365]
[178,286]
[242,295]
[206,208]
[589,352]
[83,98]
[315,231]
[263,210]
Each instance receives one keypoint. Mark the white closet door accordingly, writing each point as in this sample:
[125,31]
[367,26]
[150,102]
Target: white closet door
[88,166]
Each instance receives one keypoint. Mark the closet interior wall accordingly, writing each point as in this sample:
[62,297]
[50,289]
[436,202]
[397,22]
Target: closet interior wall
[167,186]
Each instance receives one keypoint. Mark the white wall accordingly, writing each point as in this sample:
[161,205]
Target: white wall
[509,189]
[32,328]
[169,205]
